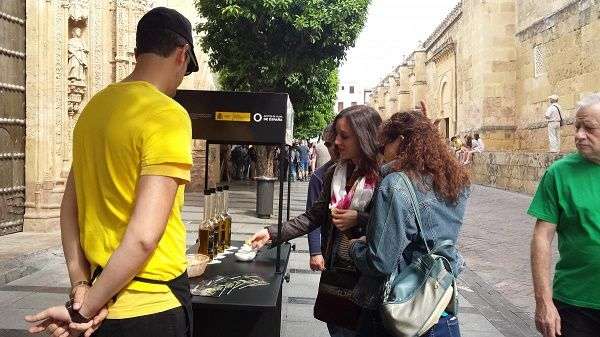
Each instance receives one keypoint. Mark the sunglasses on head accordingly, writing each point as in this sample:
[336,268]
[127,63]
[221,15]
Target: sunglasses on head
[190,58]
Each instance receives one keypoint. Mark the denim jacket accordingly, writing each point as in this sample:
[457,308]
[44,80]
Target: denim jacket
[392,240]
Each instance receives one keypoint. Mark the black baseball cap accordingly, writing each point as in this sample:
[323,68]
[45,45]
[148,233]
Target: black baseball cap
[162,18]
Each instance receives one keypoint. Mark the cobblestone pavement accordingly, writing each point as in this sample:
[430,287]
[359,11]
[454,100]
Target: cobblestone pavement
[495,289]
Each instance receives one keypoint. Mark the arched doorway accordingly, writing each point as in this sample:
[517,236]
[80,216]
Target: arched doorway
[445,108]
[12,116]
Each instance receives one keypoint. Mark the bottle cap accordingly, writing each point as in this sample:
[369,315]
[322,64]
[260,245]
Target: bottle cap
[226,187]
[207,192]
[211,190]
[219,188]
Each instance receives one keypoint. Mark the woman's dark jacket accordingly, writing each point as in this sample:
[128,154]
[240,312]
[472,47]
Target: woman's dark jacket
[320,215]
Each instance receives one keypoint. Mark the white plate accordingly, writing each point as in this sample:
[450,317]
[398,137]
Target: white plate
[245,257]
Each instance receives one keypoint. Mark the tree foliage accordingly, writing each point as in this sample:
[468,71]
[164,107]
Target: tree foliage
[292,46]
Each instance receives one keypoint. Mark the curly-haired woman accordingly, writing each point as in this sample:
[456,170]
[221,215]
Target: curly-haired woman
[412,145]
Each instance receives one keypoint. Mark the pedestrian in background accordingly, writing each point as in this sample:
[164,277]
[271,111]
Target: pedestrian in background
[237,160]
[466,148]
[315,186]
[253,158]
[321,154]
[293,162]
[411,145]
[342,211]
[304,161]
[567,202]
[121,228]
[477,146]
[312,157]
[554,118]
[456,144]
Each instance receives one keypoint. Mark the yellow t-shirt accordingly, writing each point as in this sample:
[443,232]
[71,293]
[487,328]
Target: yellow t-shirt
[127,130]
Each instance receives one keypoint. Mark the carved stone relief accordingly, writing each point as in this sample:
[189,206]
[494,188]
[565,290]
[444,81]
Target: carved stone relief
[127,15]
[77,71]
[78,67]
[60,91]
[78,10]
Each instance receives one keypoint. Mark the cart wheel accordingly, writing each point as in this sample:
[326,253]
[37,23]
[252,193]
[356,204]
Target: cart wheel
[287,278]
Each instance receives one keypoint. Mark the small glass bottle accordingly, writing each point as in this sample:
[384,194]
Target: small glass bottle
[205,231]
[227,216]
[221,218]
[214,224]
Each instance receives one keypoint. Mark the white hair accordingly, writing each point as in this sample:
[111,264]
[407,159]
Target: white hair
[588,101]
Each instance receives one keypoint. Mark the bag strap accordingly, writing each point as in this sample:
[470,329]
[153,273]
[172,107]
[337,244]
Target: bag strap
[443,244]
[438,247]
[415,206]
[559,114]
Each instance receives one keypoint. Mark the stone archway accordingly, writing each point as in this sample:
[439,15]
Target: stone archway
[12,116]
[445,106]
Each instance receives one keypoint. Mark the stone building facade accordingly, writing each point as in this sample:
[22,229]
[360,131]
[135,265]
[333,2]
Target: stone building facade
[74,49]
[489,68]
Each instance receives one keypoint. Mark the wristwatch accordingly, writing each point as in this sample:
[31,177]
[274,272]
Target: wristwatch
[76,317]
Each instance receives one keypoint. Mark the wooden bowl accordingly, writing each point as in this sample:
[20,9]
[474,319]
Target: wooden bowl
[196,264]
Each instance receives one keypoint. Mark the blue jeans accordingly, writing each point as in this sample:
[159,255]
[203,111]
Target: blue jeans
[370,325]
[336,331]
[292,172]
[304,165]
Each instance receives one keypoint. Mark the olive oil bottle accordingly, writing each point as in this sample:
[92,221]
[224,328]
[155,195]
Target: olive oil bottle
[205,235]
[214,224]
[219,220]
[227,216]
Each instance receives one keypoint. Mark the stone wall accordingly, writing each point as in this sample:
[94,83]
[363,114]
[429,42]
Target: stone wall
[466,76]
[489,67]
[557,54]
[530,11]
[198,156]
[514,171]
[103,33]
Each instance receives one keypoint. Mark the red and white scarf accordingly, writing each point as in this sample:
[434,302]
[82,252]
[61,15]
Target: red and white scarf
[359,195]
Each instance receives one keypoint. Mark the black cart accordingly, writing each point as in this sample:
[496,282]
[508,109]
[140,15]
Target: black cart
[243,118]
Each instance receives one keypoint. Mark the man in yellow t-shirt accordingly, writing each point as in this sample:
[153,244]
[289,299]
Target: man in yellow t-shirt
[122,232]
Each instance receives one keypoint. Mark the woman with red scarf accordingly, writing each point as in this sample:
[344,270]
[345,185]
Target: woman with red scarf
[342,211]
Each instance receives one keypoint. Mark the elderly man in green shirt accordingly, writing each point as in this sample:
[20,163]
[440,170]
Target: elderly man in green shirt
[567,202]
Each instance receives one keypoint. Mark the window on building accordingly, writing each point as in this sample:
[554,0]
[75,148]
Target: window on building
[539,61]
[351,89]
[340,106]
[342,88]
[353,103]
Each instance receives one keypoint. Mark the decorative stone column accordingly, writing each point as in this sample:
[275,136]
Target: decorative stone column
[46,105]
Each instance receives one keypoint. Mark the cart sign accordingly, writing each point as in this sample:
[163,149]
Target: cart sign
[239,117]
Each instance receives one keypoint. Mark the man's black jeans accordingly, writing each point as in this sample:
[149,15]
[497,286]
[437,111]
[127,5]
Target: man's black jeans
[170,323]
[578,321]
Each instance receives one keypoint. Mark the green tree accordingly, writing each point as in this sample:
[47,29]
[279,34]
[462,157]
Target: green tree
[292,46]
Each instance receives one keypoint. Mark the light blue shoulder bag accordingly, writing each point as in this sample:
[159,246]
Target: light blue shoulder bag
[415,299]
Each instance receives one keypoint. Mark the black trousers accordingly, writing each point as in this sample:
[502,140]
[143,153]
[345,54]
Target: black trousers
[170,323]
[578,321]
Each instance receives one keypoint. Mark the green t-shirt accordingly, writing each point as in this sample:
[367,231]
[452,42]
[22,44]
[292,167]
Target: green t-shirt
[569,196]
